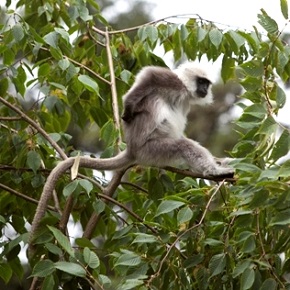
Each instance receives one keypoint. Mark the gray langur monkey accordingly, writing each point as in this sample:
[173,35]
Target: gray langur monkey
[154,119]
[155,116]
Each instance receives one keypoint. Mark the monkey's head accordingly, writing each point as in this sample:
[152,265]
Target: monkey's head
[197,83]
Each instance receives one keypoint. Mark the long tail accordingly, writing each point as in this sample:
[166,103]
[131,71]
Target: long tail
[120,161]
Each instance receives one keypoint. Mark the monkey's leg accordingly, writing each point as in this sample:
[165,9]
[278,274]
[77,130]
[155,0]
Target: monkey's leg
[176,152]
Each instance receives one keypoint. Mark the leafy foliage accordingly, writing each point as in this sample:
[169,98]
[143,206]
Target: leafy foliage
[160,230]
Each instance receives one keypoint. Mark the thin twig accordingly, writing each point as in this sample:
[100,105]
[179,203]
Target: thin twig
[23,196]
[66,213]
[185,232]
[115,106]
[108,192]
[133,214]
[36,126]
[10,118]
[88,69]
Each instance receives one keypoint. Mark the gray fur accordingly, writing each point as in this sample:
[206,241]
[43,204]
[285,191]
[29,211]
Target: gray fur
[155,116]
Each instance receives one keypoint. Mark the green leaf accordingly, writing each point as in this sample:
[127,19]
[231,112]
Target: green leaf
[284,170]
[17,31]
[43,268]
[216,37]
[193,260]
[89,83]
[144,238]
[269,284]
[247,167]
[131,284]
[62,240]
[52,39]
[168,206]
[126,76]
[280,219]
[184,215]
[213,242]
[267,22]
[280,97]
[252,84]
[91,258]
[63,33]
[64,64]
[128,259]
[241,212]
[281,147]
[70,188]
[253,68]
[71,268]
[86,185]
[19,80]
[84,13]
[48,283]
[284,10]
[228,68]
[4,84]
[201,34]
[5,272]
[108,133]
[247,279]
[241,267]
[84,242]
[152,33]
[54,249]
[44,70]
[8,56]
[268,126]
[217,264]
[237,38]
[99,206]
[249,245]
[33,160]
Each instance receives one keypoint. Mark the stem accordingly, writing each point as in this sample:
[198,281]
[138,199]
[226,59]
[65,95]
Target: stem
[36,126]
[23,196]
[115,106]
[185,232]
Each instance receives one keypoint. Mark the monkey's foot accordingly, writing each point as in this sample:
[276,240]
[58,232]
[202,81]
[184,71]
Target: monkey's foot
[221,172]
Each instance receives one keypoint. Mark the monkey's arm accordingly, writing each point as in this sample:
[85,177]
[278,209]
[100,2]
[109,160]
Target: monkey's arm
[122,160]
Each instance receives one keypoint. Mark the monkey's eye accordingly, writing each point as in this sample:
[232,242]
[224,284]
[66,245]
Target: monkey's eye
[203,81]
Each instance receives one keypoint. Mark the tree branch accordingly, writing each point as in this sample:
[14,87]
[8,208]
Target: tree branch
[108,192]
[115,106]
[36,126]
[23,196]
[185,232]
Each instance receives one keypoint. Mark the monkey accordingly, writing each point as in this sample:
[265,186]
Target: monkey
[154,117]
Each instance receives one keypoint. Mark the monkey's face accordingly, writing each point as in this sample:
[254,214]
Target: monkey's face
[197,82]
[202,86]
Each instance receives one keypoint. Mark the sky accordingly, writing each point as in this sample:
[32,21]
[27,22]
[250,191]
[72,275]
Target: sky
[239,14]
[236,13]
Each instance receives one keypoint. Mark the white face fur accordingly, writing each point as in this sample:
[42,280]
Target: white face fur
[187,73]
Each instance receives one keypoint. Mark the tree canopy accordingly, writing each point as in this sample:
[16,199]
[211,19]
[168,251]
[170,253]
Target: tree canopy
[63,65]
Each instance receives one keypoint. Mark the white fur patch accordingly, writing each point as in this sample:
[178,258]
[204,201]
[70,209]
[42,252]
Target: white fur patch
[175,119]
[187,73]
